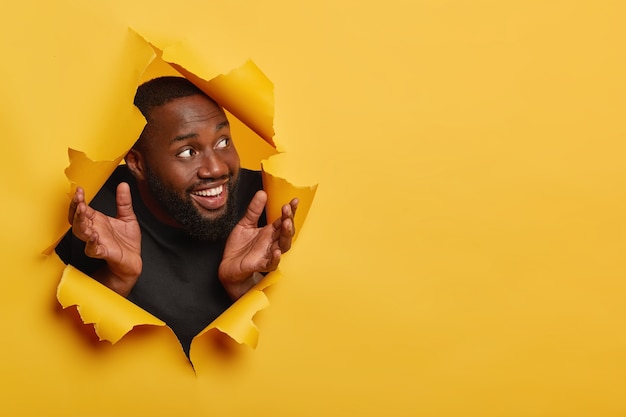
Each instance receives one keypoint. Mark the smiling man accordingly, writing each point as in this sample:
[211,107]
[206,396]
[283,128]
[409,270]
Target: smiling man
[180,228]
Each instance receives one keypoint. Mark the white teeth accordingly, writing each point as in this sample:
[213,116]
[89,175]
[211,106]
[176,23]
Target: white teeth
[210,192]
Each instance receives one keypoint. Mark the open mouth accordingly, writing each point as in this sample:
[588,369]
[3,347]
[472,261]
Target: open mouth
[210,198]
[209,192]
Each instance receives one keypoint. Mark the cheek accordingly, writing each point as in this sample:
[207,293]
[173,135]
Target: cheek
[177,177]
[184,177]
[232,160]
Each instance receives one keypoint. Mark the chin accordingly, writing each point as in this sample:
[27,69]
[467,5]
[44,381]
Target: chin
[212,215]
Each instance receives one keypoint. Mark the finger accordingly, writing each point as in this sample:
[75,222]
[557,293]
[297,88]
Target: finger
[294,203]
[79,196]
[80,220]
[124,202]
[294,207]
[84,214]
[273,261]
[82,224]
[93,248]
[288,214]
[286,236]
[288,211]
[254,211]
[283,233]
[285,213]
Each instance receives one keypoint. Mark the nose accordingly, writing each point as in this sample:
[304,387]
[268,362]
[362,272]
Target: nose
[212,166]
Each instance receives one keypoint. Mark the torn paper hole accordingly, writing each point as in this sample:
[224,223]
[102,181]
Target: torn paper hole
[112,315]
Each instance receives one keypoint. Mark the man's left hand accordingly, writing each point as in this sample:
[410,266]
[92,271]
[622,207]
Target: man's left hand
[250,249]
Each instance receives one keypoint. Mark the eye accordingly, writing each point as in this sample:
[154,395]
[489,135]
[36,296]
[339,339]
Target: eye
[186,153]
[222,143]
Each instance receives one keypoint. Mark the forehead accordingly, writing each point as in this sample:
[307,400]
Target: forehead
[185,113]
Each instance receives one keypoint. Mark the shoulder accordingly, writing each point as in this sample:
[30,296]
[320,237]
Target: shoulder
[249,183]
[250,179]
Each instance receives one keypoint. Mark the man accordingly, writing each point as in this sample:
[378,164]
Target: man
[179,230]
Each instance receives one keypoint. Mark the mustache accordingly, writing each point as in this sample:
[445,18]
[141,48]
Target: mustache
[210,181]
[231,182]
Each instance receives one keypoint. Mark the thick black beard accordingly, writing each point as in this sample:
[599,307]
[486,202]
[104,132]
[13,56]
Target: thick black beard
[187,215]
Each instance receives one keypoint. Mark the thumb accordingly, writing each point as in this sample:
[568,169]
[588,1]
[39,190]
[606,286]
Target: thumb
[124,202]
[255,209]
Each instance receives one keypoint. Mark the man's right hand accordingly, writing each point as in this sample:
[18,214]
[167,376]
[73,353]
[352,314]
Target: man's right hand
[115,240]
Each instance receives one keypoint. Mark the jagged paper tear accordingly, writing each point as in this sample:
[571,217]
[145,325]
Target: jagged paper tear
[247,96]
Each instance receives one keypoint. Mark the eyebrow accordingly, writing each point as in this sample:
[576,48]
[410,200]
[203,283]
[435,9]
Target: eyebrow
[218,127]
[222,125]
[183,137]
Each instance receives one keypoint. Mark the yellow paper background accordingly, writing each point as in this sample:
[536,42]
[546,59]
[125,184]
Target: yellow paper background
[464,253]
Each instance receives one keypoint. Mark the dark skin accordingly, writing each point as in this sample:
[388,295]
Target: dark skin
[191,152]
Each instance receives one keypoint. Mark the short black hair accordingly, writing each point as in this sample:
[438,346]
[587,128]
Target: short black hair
[159,91]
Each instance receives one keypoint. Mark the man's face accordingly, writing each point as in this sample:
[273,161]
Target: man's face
[191,165]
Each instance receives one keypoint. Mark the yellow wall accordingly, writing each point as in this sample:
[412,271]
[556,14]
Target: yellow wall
[464,254]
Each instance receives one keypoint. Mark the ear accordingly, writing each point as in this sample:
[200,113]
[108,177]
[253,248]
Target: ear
[136,164]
